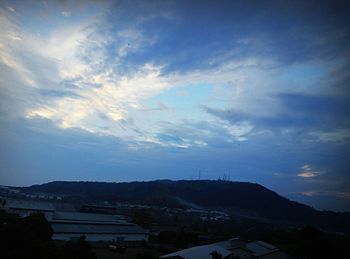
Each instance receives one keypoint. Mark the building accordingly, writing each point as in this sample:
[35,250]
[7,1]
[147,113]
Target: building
[232,248]
[26,207]
[199,252]
[72,225]
[96,227]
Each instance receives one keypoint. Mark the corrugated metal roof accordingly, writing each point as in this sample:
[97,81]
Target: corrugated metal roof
[97,229]
[259,248]
[29,205]
[88,218]
[267,245]
[199,252]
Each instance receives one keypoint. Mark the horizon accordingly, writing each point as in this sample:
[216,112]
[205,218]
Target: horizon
[120,91]
[346,209]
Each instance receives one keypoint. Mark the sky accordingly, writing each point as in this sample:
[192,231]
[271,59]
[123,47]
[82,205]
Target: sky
[115,91]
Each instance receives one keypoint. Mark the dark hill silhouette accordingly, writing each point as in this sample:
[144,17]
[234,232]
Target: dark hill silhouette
[249,198]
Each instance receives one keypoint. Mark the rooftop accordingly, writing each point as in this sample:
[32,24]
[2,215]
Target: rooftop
[259,248]
[94,218]
[97,229]
[199,252]
[29,205]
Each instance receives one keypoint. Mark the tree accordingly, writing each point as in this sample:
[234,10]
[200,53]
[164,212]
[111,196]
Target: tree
[2,203]
[142,218]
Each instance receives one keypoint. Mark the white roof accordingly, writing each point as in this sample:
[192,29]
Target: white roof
[199,252]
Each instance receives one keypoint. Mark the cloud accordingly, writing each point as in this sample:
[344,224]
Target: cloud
[11,9]
[306,167]
[173,87]
[308,172]
[10,41]
[65,13]
[339,194]
[103,100]
[311,118]
[113,100]
[336,135]
[97,76]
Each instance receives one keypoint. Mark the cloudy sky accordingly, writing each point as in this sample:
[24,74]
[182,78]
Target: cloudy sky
[141,90]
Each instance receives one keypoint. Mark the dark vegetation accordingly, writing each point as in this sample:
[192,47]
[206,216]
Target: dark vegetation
[30,238]
[247,199]
[307,242]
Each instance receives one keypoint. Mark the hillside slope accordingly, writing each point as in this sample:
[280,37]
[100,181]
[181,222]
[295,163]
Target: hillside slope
[250,198]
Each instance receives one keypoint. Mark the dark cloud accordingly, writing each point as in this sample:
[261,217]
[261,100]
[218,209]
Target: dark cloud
[298,111]
[193,35]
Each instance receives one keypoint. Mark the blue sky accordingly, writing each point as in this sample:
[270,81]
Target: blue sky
[143,90]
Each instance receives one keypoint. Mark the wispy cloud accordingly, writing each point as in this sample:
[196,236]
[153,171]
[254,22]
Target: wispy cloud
[11,40]
[339,194]
[307,174]
[337,135]
[11,9]
[106,101]
[105,91]
[307,171]
[65,13]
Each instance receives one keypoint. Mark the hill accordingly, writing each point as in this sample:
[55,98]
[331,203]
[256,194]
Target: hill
[246,198]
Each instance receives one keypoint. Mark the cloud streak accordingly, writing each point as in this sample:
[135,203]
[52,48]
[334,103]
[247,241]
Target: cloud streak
[307,171]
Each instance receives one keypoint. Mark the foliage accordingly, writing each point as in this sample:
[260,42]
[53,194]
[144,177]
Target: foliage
[146,255]
[142,218]
[77,249]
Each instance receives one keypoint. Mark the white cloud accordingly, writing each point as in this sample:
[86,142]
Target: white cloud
[105,100]
[337,135]
[307,174]
[131,40]
[10,42]
[65,13]
[108,98]
[238,131]
[11,9]
[309,193]
[307,171]
[306,167]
